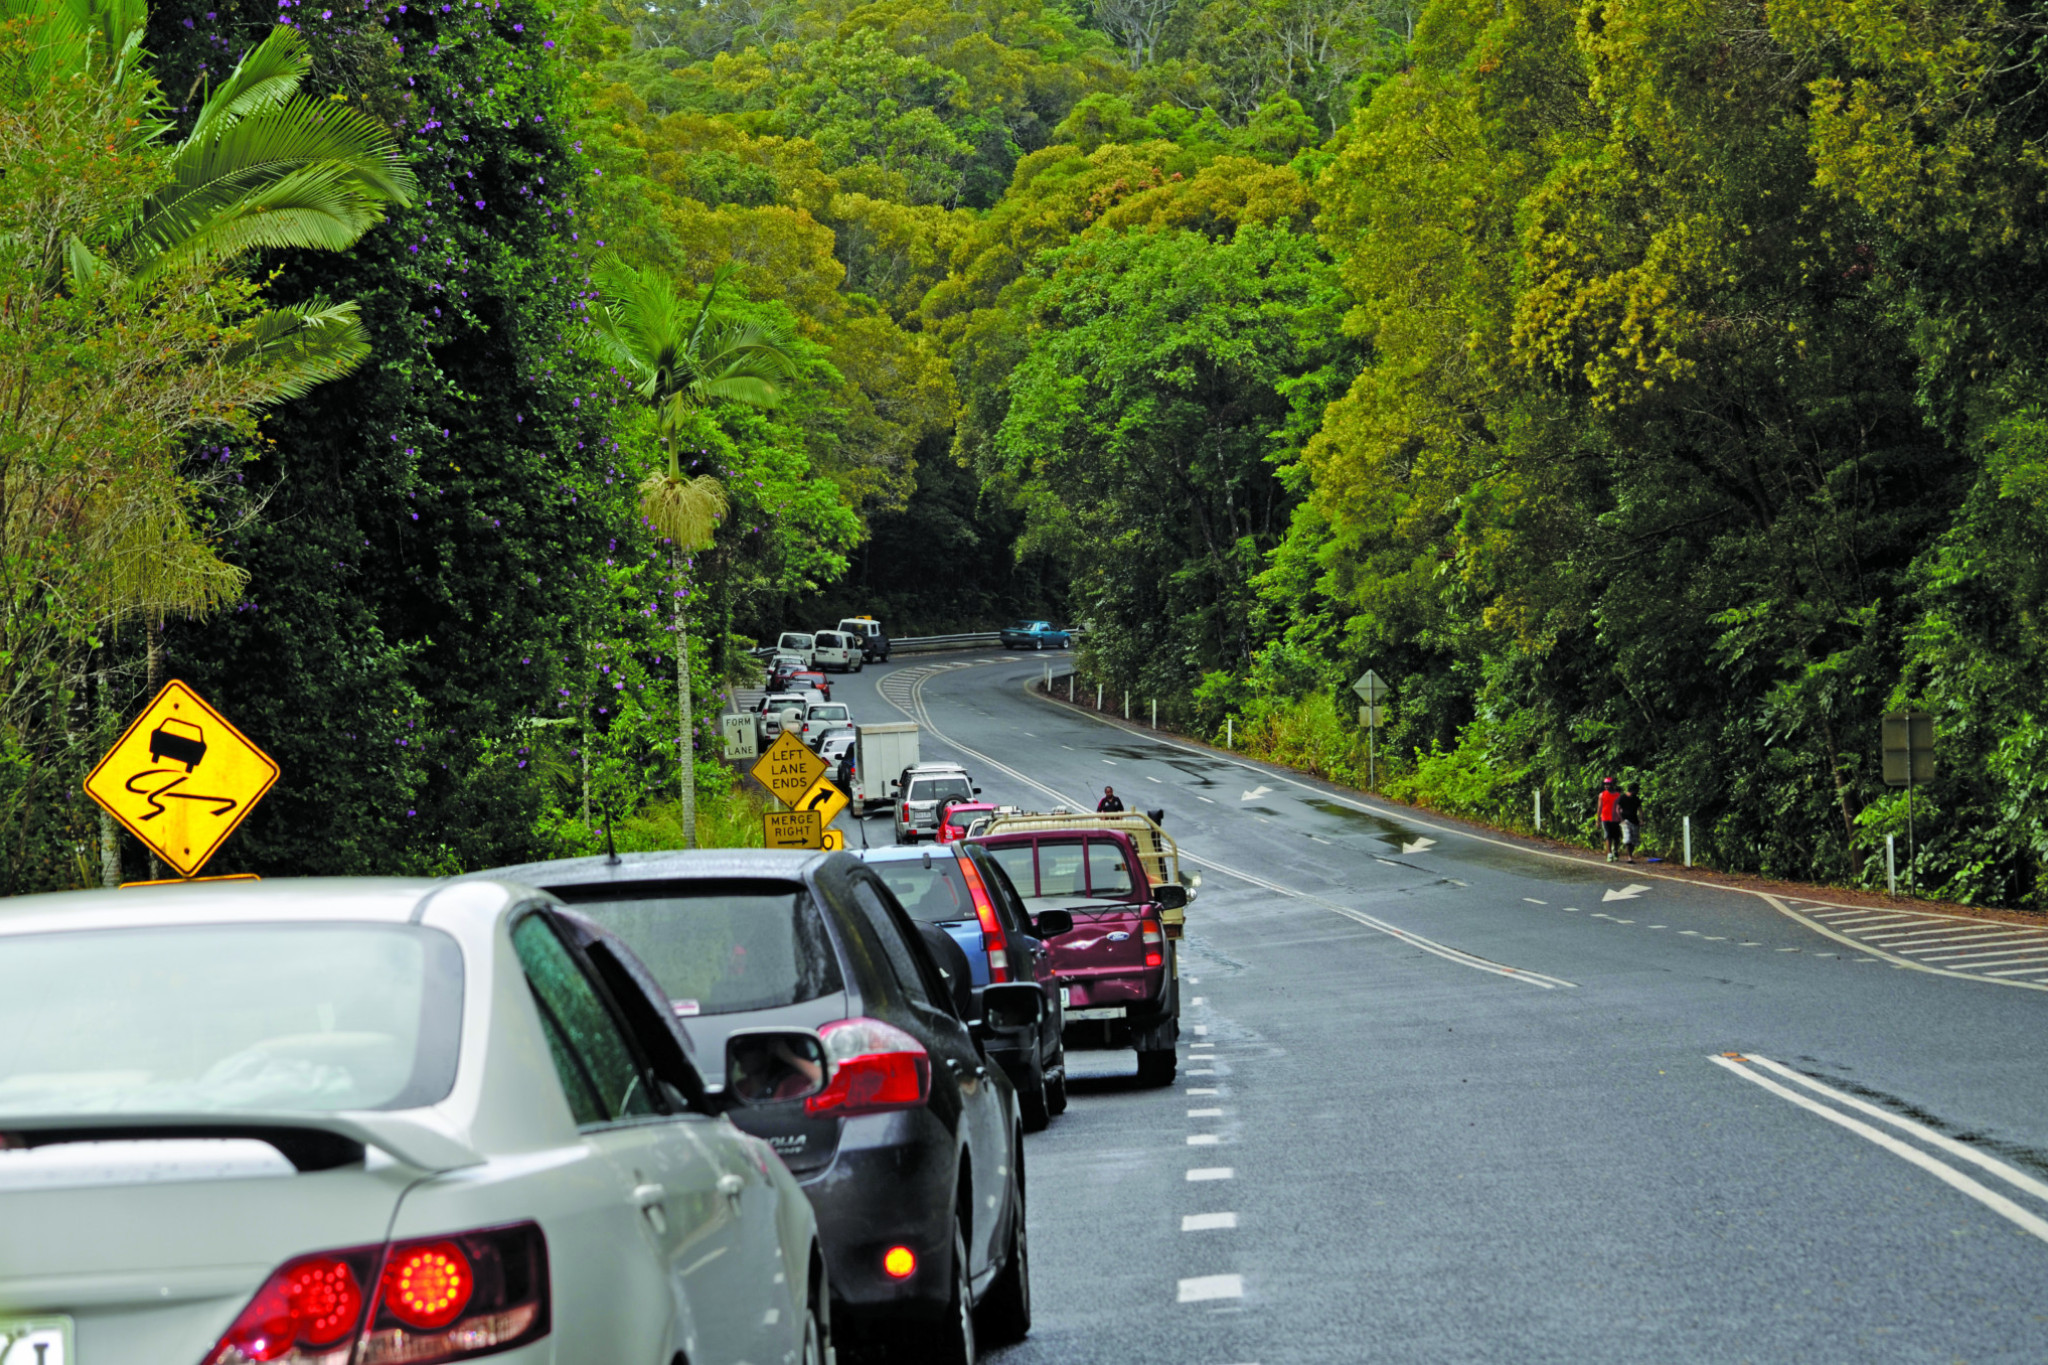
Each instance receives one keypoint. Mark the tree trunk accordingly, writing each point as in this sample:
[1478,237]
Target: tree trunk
[110,831]
[688,749]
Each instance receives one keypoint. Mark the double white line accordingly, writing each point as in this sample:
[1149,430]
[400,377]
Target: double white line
[1746,1064]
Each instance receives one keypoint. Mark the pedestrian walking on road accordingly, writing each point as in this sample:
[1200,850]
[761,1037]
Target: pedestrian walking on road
[1110,804]
[1609,800]
[1631,808]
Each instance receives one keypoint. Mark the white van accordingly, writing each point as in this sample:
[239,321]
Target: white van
[837,650]
[798,643]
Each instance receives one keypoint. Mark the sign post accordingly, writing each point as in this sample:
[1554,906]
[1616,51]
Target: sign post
[181,778]
[1370,689]
[1908,739]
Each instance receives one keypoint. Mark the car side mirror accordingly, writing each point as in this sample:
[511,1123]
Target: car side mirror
[1051,924]
[977,791]
[1008,1008]
[770,1066]
[1170,896]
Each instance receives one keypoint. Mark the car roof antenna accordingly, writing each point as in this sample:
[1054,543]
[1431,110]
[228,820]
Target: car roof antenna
[611,851]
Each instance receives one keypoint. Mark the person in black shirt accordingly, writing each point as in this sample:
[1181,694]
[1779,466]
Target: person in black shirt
[1109,804]
[1631,807]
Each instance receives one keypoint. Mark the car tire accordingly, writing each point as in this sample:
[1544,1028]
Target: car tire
[1034,1102]
[952,1340]
[815,1350]
[1006,1308]
[1056,1088]
[1156,1066]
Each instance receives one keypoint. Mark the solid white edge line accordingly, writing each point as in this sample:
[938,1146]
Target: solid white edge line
[1779,905]
[1940,1170]
[2012,1175]
[1449,954]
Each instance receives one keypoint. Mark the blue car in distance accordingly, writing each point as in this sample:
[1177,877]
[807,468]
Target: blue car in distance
[1035,635]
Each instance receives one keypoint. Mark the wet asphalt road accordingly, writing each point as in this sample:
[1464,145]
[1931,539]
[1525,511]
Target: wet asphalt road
[1457,1100]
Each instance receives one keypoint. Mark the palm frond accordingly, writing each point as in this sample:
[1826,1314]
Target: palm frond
[304,346]
[300,174]
[266,77]
[685,511]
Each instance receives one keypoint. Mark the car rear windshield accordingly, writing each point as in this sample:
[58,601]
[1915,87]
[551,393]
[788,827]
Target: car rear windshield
[720,947]
[220,1018]
[933,890]
[941,789]
[797,642]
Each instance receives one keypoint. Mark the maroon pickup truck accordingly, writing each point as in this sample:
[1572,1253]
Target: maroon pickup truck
[1119,877]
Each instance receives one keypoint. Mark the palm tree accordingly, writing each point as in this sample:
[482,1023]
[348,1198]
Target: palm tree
[682,356]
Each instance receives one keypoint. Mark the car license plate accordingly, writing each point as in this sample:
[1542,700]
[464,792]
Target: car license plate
[1112,1012]
[35,1341]
[1064,993]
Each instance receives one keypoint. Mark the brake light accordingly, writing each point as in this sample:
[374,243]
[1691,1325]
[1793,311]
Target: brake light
[906,812]
[1155,955]
[899,1262]
[992,936]
[876,1067]
[437,1299]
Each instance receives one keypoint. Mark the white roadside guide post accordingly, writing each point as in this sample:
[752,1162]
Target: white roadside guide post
[1230,732]
[1098,696]
[1370,689]
[1127,703]
[1891,862]
[1688,841]
[1155,713]
[1539,810]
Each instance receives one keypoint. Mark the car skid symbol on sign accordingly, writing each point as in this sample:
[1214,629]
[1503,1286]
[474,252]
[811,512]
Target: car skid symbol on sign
[222,804]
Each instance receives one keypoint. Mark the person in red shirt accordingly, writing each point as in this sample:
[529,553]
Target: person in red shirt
[1609,800]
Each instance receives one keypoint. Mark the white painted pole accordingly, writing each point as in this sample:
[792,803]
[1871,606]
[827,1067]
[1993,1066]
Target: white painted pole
[1230,732]
[1155,713]
[1098,696]
[1070,687]
[1127,703]
[1539,810]
[1688,841]
[1891,862]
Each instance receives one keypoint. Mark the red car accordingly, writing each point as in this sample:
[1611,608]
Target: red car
[1119,877]
[958,816]
[797,679]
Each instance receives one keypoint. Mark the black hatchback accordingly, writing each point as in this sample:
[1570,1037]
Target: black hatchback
[912,1155]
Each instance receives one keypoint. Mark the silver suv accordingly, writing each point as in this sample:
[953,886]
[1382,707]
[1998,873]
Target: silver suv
[921,791]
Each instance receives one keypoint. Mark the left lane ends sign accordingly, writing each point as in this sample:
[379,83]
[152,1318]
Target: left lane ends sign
[181,778]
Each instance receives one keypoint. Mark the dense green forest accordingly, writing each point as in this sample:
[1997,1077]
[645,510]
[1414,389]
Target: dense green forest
[1640,388]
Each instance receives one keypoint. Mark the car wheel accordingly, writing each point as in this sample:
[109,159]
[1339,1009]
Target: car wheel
[814,1338]
[953,1342]
[1156,1066]
[1034,1102]
[1056,1088]
[1006,1309]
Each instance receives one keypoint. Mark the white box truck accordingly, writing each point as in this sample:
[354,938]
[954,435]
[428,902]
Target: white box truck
[880,754]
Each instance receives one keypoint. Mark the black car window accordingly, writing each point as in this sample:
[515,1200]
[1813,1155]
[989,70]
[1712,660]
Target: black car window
[902,962]
[940,789]
[931,889]
[720,947]
[1109,873]
[600,1075]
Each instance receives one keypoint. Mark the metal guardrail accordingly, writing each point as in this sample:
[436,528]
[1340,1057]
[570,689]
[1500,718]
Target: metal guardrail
[925,644]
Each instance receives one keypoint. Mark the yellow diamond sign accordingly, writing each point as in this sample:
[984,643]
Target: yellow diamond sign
[825,799]
[788,769]
[181,778]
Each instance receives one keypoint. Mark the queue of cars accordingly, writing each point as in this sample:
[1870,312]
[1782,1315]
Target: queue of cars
[719,1106]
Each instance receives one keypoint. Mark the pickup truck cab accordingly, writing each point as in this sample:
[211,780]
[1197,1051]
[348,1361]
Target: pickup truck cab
[874,642]
[774,709]
[1119,877]
[836,649]
[822,716]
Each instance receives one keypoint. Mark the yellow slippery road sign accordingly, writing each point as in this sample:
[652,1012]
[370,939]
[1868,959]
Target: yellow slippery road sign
[825,799]
[788,769]
[181,778]
[791,829]
[834,840]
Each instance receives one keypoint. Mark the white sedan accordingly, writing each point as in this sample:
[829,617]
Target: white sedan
[352,1121]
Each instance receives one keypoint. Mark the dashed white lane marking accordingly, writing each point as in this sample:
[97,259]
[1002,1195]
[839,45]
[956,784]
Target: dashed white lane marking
[1533,901]
[1690,933]
[1150,778]
[1571,909]
[1203,1288]
[1200,999]
[1203,1140]
[1212,1173]
[1319,838]
[1110,761]
[1940,1170]
[1201,1029]
[1201,1073]
[1205,1113]
[1715,938]
[1194,981]
[1204,798]
[1203,1090]
[1207,1222]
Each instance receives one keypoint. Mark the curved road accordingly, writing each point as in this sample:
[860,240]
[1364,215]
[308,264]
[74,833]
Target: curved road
[1443,1098]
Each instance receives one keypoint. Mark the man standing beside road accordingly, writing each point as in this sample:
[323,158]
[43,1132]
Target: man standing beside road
[1631,808]
[1609,799]
[1110,804]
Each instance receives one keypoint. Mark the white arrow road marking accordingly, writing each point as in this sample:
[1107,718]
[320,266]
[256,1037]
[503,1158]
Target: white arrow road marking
[1418,845]
[1256,793]
[1627,893]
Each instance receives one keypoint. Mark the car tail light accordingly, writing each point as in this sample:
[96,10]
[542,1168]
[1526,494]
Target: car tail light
[437,1299]
[899,1262]
[992,936]
[876,1067]
[1155,954]
[906,812]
